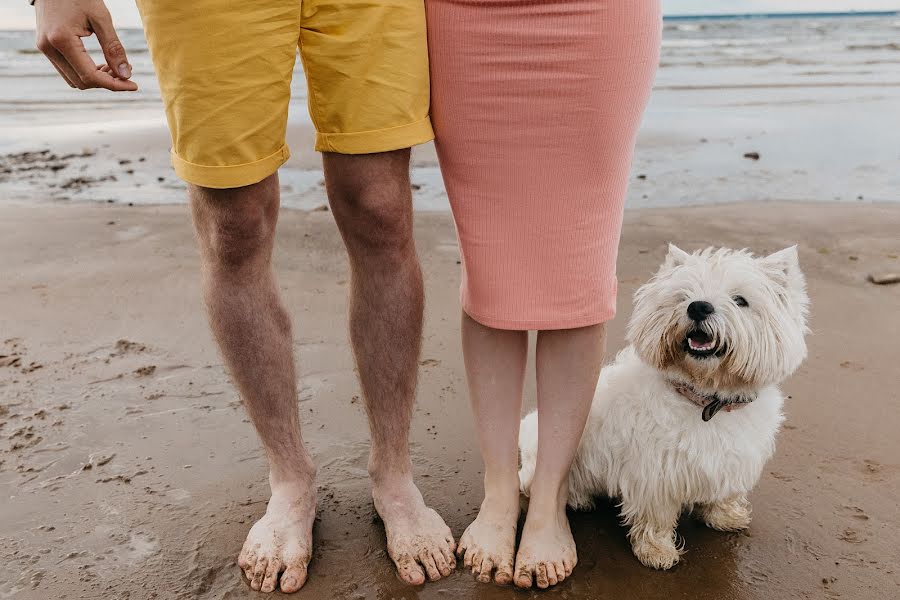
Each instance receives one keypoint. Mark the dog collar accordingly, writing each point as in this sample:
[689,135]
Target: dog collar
[710,403]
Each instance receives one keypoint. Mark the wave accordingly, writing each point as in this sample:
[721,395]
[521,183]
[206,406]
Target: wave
[722,42]
[887,46]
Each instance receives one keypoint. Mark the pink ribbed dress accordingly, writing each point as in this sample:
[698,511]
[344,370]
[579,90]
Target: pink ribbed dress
[535,106]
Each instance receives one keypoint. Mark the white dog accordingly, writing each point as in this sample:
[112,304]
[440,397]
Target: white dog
[717,329]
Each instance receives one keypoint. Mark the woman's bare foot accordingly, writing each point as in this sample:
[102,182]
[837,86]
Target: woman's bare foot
[547,550]
[489,542]
[281,541]
[418,540]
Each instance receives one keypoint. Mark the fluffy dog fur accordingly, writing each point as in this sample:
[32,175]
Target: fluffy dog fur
[645,443]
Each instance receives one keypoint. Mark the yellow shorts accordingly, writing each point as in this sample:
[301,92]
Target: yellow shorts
[225,71]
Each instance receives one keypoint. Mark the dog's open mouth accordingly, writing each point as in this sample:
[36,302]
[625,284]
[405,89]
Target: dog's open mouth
[699,344]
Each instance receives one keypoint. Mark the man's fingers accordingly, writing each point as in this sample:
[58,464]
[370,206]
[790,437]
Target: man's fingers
[113,50]
[63,68]
[73,50]
[107,81]
[59,63]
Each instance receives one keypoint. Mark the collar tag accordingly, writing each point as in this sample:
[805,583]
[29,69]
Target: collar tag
[710,410]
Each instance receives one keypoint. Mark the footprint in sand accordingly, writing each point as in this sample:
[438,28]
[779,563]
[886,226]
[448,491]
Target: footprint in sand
[854,512]
[11,354]
[875,470]
[852,366]
[827,582]
[752,573]
[145,371]
[851,536]
[124,347]
[132,233]
[7,360]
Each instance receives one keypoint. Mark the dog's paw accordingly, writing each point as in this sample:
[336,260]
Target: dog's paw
[728,515]
[657,553]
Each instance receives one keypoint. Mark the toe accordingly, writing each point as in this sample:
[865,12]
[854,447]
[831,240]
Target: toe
[486,570]
[271,578]
[569,566]
[474,558]
[248,573]
[243,561]
[504,574]
[523,576]
[451,543]
[449,556]
[259,572]
[293,579]
[552,579]
[561,572]
[469,560]
[427,561]
[441,561]
[409,571]
[541,576]
[461,549]
[247,560]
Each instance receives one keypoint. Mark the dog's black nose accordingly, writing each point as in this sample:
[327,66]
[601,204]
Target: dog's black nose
[699,310]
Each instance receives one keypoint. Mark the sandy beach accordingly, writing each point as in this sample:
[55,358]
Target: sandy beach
[129,470]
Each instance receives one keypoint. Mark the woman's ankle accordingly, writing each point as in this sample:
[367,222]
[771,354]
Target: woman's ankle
[501,492]
[501,483]
[549,501]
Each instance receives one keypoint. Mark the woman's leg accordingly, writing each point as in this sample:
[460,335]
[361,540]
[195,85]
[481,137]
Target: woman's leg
[495,368]
[568,365]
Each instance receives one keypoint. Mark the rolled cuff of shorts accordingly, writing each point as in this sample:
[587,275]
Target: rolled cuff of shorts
[229,176]
[376,140]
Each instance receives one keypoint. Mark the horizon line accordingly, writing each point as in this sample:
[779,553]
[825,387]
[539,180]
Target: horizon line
[696,16]
[792,14]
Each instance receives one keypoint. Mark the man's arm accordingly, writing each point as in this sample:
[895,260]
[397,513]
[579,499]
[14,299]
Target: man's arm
[60,26]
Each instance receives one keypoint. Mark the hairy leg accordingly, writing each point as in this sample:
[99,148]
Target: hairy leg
[235,230]
[568,365]
[495,368]
[652,530]
[732,514]
[371,200]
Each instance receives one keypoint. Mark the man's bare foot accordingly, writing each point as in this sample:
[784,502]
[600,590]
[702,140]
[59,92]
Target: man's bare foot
[489,543]
[417,537]
[281,541]
[547,550]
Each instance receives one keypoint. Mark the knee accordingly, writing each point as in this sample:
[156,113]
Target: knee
[235,227]
[374,221]
[371,200]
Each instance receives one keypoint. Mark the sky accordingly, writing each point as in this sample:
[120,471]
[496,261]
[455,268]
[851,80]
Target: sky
[17,14]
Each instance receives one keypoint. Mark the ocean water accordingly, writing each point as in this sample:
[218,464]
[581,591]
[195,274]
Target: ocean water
[837,50]
[818,96]
[696,52]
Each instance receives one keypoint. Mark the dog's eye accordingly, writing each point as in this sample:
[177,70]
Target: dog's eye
[740,300]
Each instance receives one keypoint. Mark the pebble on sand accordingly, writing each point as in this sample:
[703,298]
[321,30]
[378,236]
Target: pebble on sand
[752,155]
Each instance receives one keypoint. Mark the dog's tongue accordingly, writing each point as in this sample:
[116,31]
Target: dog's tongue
[710,410]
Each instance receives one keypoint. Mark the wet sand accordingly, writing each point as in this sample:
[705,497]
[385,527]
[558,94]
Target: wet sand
[128,468]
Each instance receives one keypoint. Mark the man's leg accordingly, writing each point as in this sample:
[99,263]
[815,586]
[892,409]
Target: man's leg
[372,203]
[235,230]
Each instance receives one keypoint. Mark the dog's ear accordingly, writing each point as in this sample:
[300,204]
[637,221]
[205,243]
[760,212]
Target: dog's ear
[676,256]
[784,267]
[784,261]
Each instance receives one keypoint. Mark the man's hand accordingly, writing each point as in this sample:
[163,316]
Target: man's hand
[60,26]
